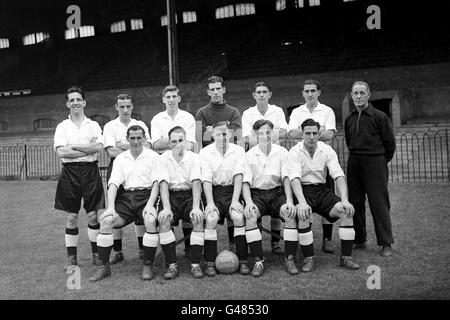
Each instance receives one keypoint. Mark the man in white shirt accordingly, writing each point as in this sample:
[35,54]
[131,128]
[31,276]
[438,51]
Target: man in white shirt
[267,191]
[324,115]
[266,111]
[180,189]
[307,163]
[160,126]
[77,142]
[222,165]
[171,117]
[137,170]
[115,134]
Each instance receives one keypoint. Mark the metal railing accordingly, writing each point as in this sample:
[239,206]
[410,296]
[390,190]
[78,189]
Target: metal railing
[419,157]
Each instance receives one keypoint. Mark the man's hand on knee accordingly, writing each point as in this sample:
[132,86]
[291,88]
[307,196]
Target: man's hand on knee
[304,211]
[236,206]
[288,210]
[108,213]
[149,211]
[196,216]
[164,215]
[348,209]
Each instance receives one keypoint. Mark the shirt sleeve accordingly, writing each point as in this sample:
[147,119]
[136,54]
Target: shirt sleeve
[108,134]
[196,171]
[284,165]
[248,174]
[190,129]
[200,117]
[156,133]
[334,168]
[97,132]
[236,122]
[147,134]
[60,137]
[163,172]
[239,167]
[388,138]
[205,167]
[330,121]
[293,165]
[117,177]
[246,124]
[282,120]
[293,121]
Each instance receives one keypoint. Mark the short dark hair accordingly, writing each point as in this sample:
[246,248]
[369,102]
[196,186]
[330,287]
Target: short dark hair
[124,96]
[312,82]
[135,128]
[309,123]
[176,129]
[361,83]
[261,122]
[215,79]
[222,123]
[263,84]
[169,88]
[75,89]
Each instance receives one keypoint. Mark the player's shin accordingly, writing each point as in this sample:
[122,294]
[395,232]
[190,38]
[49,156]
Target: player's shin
[105,243]
[254,240]
[197,242]
[290,236]
[150,243]
[347,236]
[210,245]
[167,240]
[71,239]
[305,237]
[241,242]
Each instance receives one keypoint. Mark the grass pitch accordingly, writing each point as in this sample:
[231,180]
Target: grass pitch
[32,255]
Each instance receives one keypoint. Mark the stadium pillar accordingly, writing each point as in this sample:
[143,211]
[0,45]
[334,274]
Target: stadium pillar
[172,42]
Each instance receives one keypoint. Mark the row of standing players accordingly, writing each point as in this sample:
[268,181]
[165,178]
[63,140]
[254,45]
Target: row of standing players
[78,148]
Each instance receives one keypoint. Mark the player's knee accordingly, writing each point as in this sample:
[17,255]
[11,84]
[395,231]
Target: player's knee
[149,221]
[303,224]
[237,218]
[251,222]
[106,224]
[346,221]
[211,221]
[290,222]
[164,226]
[72,220]
[92,218]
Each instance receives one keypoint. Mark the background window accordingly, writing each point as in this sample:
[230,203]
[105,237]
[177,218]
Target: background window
[189,16]
[4,43]
[118,26]
[136,24]
[45,123]
[225,12]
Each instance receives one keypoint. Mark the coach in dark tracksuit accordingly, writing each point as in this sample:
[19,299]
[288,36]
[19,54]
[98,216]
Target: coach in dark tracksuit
[371,143]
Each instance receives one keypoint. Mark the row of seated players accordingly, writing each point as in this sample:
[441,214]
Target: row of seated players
[268,179]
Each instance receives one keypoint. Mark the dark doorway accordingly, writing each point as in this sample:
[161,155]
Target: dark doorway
[383,105]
